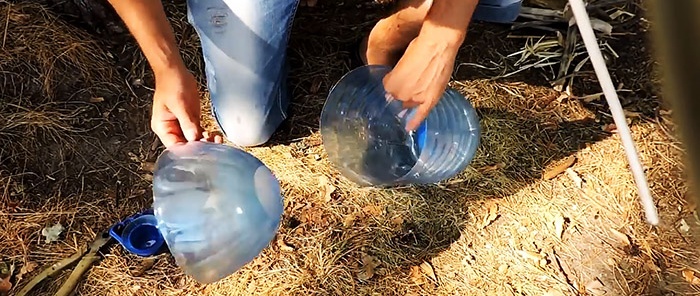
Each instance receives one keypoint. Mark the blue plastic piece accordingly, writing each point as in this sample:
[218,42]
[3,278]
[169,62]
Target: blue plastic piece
[364,133]
[421,134]
[217,207]
[138,234]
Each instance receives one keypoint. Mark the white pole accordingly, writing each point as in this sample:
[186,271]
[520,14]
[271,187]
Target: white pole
[589,39]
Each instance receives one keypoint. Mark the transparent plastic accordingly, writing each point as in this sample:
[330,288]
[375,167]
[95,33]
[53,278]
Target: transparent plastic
[364,133]
[217,207]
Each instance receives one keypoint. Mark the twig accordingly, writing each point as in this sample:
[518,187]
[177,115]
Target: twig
[567,57]
[7,24]
[561,270]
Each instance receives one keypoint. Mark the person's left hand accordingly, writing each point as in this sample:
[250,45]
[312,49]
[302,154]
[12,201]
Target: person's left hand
[420,77]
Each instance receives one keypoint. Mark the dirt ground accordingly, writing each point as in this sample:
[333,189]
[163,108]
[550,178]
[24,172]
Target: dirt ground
[77,150]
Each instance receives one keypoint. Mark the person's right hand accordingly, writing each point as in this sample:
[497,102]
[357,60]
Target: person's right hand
[176,109]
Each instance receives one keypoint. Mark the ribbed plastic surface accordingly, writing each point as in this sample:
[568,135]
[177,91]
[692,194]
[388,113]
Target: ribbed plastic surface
[217,207]
[364,133]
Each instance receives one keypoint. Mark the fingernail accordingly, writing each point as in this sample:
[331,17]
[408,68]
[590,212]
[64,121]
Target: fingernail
[402,113]
[389,97]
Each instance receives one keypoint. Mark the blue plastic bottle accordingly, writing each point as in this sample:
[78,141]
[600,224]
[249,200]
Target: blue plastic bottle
[364,133]
[217,207]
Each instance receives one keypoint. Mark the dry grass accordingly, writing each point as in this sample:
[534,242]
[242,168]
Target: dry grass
[51,72]
[497,228]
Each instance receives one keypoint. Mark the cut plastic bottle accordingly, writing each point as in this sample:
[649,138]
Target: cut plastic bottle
[364,133]
[217,207]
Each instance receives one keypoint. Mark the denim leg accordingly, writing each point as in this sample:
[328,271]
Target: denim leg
[497,11]
[244,45]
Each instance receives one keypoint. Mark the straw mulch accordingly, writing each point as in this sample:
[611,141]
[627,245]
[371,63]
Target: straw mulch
[548,206]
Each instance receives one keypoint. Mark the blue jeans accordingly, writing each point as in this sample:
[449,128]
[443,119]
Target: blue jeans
[244,45]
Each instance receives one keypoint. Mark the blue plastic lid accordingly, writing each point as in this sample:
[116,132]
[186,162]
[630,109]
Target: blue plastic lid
[421,134]
[139,234]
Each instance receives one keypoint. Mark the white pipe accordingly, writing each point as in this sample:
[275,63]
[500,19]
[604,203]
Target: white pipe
[589,39]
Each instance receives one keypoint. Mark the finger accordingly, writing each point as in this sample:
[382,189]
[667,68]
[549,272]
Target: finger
[214,137]
[389,86]
[421,113]
[410,104]
[170,140]
[189,122]
[167,132]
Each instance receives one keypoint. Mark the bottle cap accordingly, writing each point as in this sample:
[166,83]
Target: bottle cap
[138,234]
[421,134]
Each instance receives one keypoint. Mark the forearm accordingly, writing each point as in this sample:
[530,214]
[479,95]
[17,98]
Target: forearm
[147,22]
[448,20]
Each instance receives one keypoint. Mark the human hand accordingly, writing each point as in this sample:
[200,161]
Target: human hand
[420,77]
[176,109]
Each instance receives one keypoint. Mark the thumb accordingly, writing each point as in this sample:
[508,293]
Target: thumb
[188,117]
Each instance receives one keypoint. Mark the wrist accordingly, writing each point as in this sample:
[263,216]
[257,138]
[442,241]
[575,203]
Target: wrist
[442,39]
[447,21]
[168,68]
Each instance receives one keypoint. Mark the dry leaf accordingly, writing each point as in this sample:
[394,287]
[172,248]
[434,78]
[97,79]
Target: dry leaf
[97,100]
[559,226]
[369,263]
[632,114]
[574,176]
[491,215]
[611,261]
[372,210]
[619,13]
[327,188]
[559,168]
[536,257]
[148,166]
[284,247]
[691,277]
[349,219]
[491,168]
[397,221]
[416,275]
[52,233]
[28,267]
[428,270]
[595,287]
[610,128]
[684,226]
[471,91]
[620,236]
[562,96]
[592,98]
